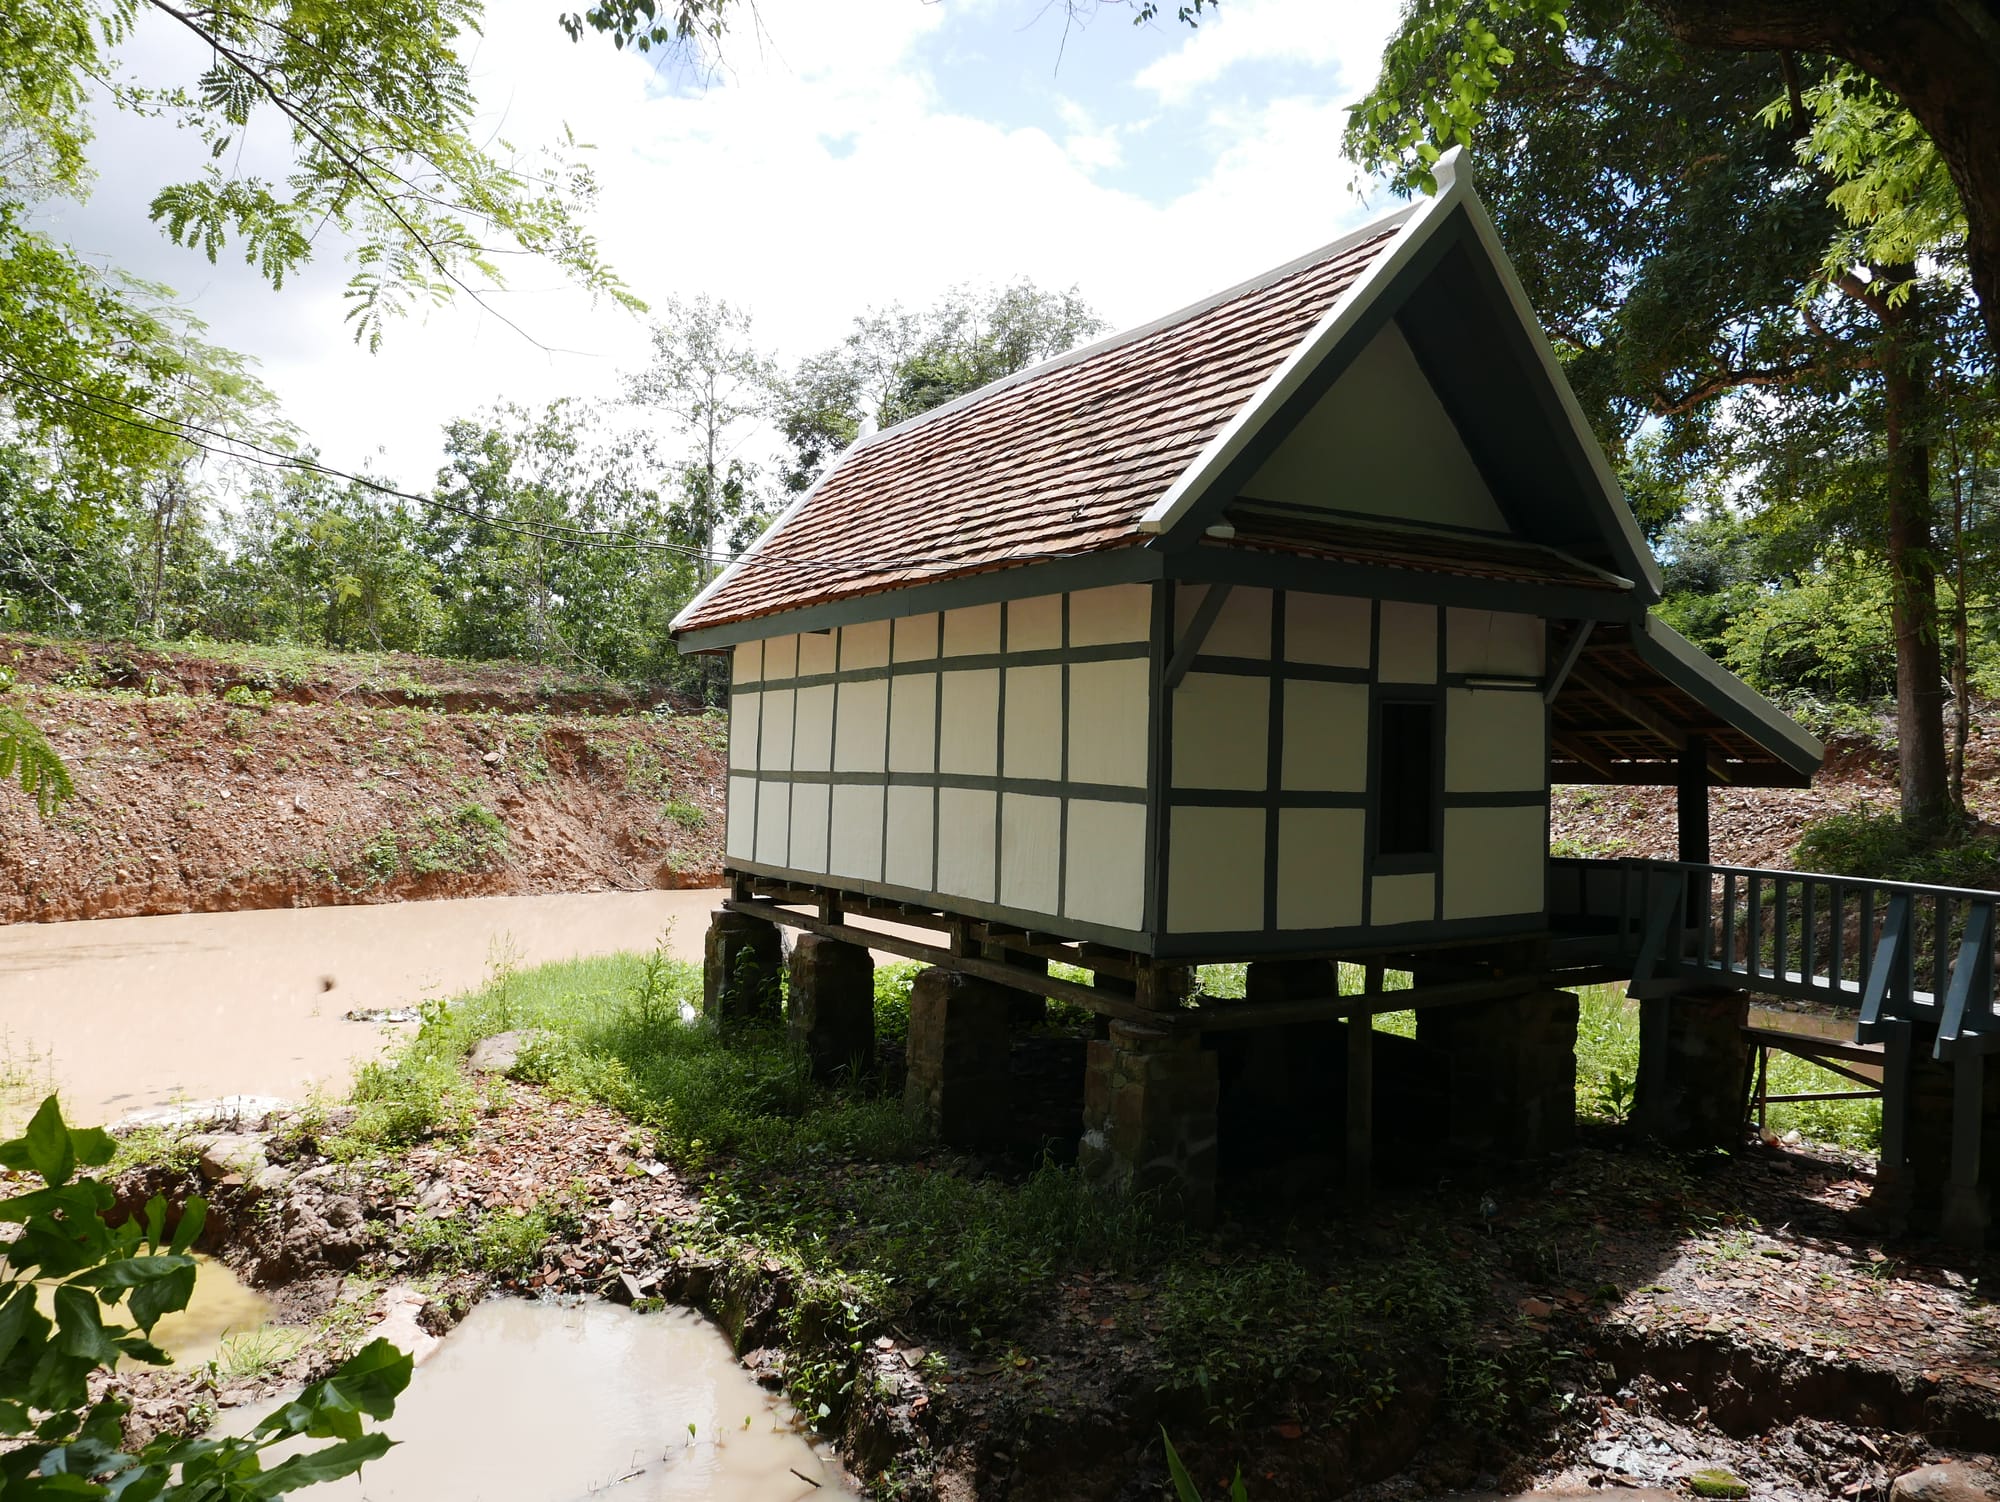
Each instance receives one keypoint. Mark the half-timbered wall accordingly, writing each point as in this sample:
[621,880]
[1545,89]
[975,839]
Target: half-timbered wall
[995,756]
[1273,746]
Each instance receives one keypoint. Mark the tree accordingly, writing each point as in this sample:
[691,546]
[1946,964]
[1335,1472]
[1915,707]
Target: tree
[713,385]
[896,364]
[1938,58]
[1654,202]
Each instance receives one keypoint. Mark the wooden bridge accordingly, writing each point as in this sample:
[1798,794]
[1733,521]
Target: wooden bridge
[1913,963]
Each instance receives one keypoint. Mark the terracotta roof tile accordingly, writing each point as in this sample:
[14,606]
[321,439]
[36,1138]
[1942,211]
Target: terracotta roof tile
[1060,461]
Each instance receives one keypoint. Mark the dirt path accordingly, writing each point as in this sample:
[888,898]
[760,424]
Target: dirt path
[128,1012]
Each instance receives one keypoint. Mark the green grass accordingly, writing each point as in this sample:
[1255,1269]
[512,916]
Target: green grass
[1607,1062]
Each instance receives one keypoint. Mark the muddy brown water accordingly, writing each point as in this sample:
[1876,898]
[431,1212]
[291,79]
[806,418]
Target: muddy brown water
[122,1013]
[542,1402]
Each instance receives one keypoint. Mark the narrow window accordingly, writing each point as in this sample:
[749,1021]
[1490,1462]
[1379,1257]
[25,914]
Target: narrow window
[1406,774]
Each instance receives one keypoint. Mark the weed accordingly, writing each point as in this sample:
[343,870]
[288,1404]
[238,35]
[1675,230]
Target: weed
[685,814]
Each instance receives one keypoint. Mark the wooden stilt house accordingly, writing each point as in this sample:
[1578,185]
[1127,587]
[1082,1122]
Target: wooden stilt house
[1259,631]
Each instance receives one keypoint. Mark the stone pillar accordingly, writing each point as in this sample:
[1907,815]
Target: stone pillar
[1511,1064]
[1694,1069]
[1149,1109]
[1951,1146]
[740,980]
[957,1084]
[830,1008]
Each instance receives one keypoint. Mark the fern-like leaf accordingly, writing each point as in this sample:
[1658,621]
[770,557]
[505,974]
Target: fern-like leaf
[27,757]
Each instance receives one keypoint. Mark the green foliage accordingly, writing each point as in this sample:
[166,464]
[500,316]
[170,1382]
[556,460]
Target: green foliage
[1829,633]
[66,1445]
[1864,842]
[1184,1488]
[27,757]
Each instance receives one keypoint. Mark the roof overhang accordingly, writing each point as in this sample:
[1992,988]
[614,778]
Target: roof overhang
[1639,692]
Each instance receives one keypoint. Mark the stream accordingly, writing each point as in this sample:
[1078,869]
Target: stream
[530,1401]
[125,1013]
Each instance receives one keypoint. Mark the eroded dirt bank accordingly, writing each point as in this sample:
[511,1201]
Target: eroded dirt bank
[1641,1320]
[213,786]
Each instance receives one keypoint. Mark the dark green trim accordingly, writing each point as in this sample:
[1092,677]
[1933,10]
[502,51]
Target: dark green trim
[1275,427]
[1159,756]
[1228,948]
[1203,564]
[1523,798]
[1047,657]
[962,907]
[1124,565]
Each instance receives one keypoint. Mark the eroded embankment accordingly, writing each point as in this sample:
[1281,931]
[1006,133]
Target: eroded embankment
[1630,1320]
[209,794]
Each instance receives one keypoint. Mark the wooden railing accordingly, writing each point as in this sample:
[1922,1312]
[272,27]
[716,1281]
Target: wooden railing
[1893,951]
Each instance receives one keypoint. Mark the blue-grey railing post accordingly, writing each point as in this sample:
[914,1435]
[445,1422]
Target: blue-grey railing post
[1837,939]
[1965,1214]
[1895,1094]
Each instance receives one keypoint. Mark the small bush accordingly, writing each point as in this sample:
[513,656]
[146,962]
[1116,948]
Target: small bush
[1878,845]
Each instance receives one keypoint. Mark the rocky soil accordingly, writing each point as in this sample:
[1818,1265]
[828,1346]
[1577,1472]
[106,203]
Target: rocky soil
[1760,826]
[1677,1325]
[214,785]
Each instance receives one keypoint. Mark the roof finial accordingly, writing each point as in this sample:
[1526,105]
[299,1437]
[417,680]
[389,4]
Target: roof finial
[1444,171]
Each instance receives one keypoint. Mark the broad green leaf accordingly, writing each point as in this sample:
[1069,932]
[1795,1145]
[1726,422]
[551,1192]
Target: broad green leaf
[193,1218]
[329,1463]
[48,1146]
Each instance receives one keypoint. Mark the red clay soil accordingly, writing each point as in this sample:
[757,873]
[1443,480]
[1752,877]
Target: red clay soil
[187,802]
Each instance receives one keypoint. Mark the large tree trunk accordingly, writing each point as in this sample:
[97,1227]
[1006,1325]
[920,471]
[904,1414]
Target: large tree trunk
[1926,776]
[1940,57]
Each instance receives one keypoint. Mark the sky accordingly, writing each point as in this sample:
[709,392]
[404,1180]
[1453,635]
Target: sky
[848,154]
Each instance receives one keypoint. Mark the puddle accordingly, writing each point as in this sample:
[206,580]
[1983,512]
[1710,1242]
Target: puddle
[540,1402]
[225,1312]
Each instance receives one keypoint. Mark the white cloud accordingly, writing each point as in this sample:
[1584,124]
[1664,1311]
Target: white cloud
[823,173]
[1344,36]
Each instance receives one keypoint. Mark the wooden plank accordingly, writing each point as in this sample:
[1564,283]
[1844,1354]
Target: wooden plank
[1361,1096]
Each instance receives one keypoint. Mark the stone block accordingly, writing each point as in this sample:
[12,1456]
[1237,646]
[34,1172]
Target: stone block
[1511,1066]
[957,1052]
[1694,1070]
[742,971]
[1149,1121]
[830,1005]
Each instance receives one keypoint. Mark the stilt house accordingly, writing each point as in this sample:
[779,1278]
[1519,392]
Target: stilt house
[1259,631]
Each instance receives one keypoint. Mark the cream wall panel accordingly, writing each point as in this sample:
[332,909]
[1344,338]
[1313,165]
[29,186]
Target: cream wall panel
[1380,441]
[1105,863]
[1035,625]
[774,734]
[816,653]
[965,846]
[741,844]
[1409,643]
[916,638]
[1328,630]
[1499,642]
[781,657]
[864,646]
[1495,860]
[812,731]
[906,857]
[1221,731]
[913,722]
[747,662]
[1032,745]
[861,726]
[972,631]
[855,848]
[1495,741]
[1409,898]
[1320,867]
[1030,851]
[1215,870]
[969,711]
[1326,737]
[809,810]
[1119,612]
[743,731]
[1242,628]
[1108,722]
[774,822]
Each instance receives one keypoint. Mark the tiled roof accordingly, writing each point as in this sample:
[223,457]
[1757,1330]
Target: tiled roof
[1505,559]
[1061,460]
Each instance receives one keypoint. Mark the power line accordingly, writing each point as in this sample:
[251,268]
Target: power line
[244,450]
